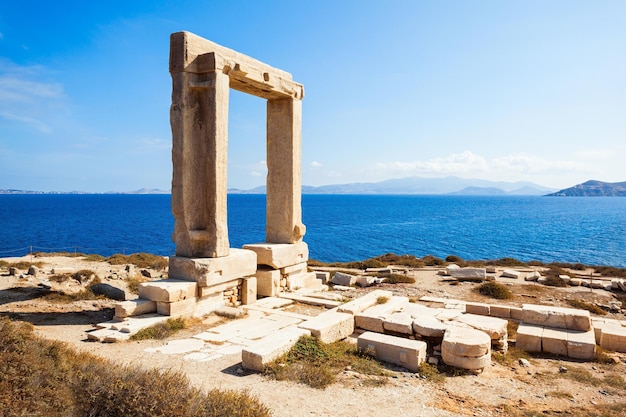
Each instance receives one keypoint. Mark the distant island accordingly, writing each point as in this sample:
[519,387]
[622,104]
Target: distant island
[593,188]
[423,186]
[417,186]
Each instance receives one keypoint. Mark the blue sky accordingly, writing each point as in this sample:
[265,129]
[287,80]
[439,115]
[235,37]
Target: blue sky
[500,90]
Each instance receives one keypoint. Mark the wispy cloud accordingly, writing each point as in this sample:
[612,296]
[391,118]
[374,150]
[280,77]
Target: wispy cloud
[315,164]
[470,163]
[38,124]
[27,94]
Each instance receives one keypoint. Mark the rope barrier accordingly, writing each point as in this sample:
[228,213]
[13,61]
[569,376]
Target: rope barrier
[7,252]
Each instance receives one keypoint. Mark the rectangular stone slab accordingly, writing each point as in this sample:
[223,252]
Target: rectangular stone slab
[264,351]
[213,271]
[529,337]
[373,318]
[134,307]
[399,323]
[177,308]
[478,308]
[558,317]
[167,290]
[613,338]
[554,341]
[362,303]
[268,282]
[581,345]
[280,255]
[330,326]
[400,351]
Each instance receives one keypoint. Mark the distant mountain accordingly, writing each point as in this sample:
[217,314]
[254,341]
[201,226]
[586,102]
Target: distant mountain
[418,185]
[593,188]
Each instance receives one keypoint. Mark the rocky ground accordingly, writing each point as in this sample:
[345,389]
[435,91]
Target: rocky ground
[549,386]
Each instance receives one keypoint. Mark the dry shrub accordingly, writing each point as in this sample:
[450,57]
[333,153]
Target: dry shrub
[495,290]
[86,275]
[45,378]
[161,330]
[140,260]
[24,265]
[583,305]
[399,279]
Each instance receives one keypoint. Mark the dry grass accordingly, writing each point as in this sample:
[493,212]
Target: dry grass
[132,283]
[140,260]
[583,305]
[511,357]
[399,279]
[161,330]
[317,364]
[45,378]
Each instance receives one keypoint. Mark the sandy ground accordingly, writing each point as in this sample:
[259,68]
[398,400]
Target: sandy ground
[496,391]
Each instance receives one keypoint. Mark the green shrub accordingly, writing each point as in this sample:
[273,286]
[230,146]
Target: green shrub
[495,290]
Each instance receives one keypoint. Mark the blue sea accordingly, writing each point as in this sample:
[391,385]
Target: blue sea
[339,227]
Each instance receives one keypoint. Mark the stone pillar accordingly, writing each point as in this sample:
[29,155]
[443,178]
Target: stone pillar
[284,180]
[199,119]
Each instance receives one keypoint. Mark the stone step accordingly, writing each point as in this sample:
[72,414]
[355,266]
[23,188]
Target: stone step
[397,350]
[330,326]
[307,299]
[259,354]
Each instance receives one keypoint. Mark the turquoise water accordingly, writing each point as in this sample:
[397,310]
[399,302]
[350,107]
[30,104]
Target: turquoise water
[339,227]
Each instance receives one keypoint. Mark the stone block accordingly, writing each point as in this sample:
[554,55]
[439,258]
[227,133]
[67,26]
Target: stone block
[465,362]
[399,323]
[554,341]
[494,327]
[529,337]
[428,326]
[323,276]
[581,345]
[341,278]
[516,313]
[468,274]
[466,342]
[503,312]
[511,273]
[533,276]
[397,350]
[167,290]
[559,317]
[330,326]
[362,303]
[134,307]
[372,319]
[418,310]
[280,255]
[213,271]
[219,288]
[478,308]
[268,282]
[294,269]
[302,280]
[613,338]
[366,281]
[248,290]
[265,350]
[177,308]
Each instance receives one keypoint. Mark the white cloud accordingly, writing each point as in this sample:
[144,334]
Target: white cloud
[315,164]
[255,174]
[469,163]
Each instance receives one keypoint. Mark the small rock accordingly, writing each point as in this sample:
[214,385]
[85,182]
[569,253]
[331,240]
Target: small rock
[146,273]
[524,363]
[562,369]
[33,270]
[239,371]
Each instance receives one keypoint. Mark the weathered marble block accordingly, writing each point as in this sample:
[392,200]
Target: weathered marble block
[400,351]
[167,290]
[559,317]
[264,351]
[330,326]
[280,255]
[213,271]
[134,307]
